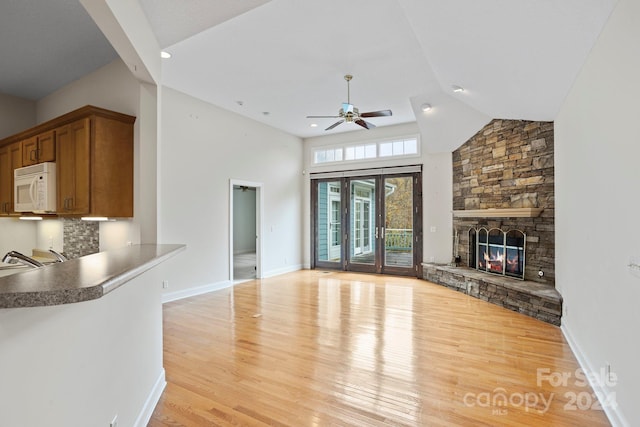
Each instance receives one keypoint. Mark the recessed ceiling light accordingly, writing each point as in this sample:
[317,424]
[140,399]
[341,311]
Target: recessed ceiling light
[165,55]
[425,107]
[457,88]
[314,125]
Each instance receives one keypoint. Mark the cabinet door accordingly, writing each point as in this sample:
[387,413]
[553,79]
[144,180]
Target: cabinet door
[40,148]
[6,180]
[46,151]
[10,159]
[72,167]
[30,151]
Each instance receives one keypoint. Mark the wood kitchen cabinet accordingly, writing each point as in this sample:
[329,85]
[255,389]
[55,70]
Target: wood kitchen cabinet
[10,159]
[72,168]
[93,151]
[94,166]
[39,148]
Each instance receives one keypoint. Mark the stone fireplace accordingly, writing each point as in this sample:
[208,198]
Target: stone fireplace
[503,219]
[503,179]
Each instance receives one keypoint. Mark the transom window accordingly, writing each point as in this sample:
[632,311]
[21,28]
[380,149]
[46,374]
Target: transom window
[407,146]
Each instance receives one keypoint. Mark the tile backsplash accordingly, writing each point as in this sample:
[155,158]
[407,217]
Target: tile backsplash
[80,237]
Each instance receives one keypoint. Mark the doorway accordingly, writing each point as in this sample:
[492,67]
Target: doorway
[245,230]
[368,223]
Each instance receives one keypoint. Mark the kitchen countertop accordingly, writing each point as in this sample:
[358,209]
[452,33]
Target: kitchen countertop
[83,279]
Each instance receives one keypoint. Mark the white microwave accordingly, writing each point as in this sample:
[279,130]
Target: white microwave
[35,188]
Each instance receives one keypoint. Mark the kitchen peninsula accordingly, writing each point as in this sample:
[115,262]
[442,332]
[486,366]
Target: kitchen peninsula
[83,279]
[81,341]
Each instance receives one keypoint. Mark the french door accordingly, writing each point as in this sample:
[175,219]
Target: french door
[370,223]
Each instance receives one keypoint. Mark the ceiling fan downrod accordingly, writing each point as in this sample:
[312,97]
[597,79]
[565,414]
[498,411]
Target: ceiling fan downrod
[348,78]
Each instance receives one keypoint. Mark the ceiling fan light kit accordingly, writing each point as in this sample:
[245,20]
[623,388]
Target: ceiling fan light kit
[350,114]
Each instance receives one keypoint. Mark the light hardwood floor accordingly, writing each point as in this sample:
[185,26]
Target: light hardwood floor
[316,348]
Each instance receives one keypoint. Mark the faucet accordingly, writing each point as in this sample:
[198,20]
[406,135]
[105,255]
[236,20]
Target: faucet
[58,255]
[13,257]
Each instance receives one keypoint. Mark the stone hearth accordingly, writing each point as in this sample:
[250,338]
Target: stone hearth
[533,299]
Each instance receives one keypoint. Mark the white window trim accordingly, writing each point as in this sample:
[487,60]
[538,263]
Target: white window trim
[377,142]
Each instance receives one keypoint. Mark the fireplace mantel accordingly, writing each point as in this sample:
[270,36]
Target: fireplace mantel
[498,213]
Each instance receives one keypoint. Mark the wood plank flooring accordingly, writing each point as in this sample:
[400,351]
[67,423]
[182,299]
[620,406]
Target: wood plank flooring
[315,348]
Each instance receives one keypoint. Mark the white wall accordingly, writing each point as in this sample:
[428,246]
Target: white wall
[437,188]
[81,364]
[202,148]
[111,87]
[597,150]
[16,115]
[437,184]
[16,235]
[50,235]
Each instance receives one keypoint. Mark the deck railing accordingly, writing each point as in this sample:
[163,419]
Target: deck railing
[398,239]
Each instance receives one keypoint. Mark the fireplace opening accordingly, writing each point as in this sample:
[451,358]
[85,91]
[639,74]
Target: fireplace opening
[498,252]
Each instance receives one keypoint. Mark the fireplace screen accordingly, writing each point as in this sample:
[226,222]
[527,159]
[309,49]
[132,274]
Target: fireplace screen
[498,252]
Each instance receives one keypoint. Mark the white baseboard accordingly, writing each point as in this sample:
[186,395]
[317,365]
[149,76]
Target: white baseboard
[152,401]
[199,290]
[613,413]
[283,270]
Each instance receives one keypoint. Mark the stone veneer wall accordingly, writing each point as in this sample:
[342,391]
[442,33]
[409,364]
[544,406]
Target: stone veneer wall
[80,238]
[509,164]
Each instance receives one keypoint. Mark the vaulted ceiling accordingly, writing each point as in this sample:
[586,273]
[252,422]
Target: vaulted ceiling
[278,61]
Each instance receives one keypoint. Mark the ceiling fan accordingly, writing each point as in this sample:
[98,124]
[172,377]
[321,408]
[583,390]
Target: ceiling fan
[350,114]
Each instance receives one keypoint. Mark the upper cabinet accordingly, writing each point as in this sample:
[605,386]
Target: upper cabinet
[10,159]
[73,168]
[93,151]
[39,148]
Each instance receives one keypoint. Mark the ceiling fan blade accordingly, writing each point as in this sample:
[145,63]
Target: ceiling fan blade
[380,113]
[364,124]
[335,124]
[323,117]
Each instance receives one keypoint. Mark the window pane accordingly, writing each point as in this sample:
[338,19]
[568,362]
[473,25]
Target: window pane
[328,243]
[359,152]
[338,154]
[398,243]
[386,149]
[349,153]
[330,154]
[411,146]
[370,151]
[398,148]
